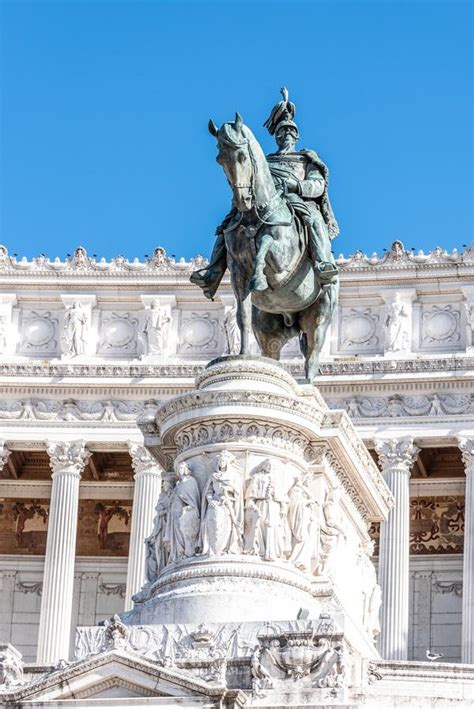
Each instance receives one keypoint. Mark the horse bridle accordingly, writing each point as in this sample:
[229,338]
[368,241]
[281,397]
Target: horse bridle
[263,209]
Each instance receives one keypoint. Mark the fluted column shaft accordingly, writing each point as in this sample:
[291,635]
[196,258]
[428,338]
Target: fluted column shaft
[145,495]
[467,648]
[396,458]
[67,461]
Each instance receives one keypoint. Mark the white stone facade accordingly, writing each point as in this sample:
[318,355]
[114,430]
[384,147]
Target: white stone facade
[87,347]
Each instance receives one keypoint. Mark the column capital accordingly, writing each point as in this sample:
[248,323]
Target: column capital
[466,446]
[142,460]
[396,453]
[4,454]
[67,456]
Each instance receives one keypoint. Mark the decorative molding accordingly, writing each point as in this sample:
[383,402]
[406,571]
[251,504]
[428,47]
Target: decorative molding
[72,410]
[359,330]
[455,587]
[118,333]
[440,326]
[439,404]
[337,367]
[199,333]
[113,589]
[35,587]
[38,332]
[81,264]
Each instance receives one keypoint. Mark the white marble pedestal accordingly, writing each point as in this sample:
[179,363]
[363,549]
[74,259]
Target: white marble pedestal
[312,507]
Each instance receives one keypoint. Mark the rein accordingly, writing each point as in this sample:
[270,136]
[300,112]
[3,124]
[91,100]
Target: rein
[262,211]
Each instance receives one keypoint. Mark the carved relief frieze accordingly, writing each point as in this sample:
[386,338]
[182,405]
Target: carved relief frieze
[283,438]
[72,410]
[118,333]
[38,332]
[359,330]
[398,406]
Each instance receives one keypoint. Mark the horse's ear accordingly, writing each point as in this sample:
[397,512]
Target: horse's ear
[238,123]
[213,129]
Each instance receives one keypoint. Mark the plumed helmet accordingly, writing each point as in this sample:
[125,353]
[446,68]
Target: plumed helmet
[287,123]
[283,111]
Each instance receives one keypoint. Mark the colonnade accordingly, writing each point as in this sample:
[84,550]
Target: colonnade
[67,461]
[396,457]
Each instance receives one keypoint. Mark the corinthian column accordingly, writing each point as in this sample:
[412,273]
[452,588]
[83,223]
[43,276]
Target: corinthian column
[396,458]
[145,495]
[67,461]
[467,649]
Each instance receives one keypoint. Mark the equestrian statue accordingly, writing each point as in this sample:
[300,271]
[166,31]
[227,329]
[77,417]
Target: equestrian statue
[276,239]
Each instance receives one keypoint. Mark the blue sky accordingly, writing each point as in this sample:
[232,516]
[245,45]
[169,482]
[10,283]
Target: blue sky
[104,111]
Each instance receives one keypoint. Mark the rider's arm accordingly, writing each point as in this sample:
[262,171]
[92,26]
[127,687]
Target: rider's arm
[313,184]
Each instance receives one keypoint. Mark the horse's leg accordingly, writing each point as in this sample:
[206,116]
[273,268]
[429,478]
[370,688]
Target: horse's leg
[244,322]
[314,323]
[259,281]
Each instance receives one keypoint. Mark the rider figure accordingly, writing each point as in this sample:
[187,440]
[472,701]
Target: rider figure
[303,177]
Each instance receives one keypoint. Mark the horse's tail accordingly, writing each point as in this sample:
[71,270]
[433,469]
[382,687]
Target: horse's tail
[303,344]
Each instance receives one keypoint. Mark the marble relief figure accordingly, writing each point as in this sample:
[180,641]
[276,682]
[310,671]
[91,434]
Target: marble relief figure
[331,528]
[154,335]
[74,336]
[157,544]
[182,525]
[266,514]
[397,336]
[231,331]
[304,516]
[222,508]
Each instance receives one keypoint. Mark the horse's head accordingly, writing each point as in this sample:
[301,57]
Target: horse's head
[237,159]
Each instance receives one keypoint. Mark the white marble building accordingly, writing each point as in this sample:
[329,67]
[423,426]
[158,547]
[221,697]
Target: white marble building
[88,346]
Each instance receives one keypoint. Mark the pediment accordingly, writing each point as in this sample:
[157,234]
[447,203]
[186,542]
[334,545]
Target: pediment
[120,675]
[115,687]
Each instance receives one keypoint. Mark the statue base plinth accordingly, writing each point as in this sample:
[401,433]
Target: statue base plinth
[226,588]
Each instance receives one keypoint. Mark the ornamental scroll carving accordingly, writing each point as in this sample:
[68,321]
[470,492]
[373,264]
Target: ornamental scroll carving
[359,330]
[118,333]
[440,326]
[38,332]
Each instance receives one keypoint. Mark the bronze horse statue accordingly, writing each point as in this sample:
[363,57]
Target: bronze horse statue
[266,236]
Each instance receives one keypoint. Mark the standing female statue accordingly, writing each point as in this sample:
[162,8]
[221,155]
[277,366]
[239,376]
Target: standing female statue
[222,508]
[266,509]
[304,518]
[182,526]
